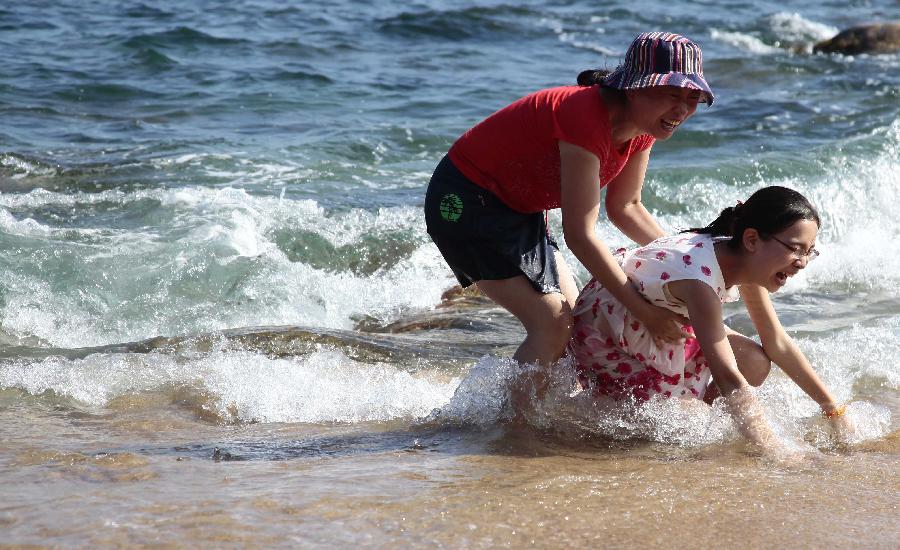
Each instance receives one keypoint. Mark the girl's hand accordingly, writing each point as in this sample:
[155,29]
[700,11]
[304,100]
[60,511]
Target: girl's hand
[844,428]
[751,422]
[664,325]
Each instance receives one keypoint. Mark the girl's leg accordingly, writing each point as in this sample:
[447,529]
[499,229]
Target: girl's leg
[752,361]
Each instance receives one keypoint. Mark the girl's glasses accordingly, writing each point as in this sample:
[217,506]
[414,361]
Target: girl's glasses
[798,253]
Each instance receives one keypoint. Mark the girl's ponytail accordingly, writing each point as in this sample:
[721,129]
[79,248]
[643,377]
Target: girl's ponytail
[723,226]
[769,210]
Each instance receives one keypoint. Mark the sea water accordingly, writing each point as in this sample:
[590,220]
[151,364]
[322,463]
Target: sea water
[221,317]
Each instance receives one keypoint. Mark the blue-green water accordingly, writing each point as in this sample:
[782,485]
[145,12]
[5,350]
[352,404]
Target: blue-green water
[171,170]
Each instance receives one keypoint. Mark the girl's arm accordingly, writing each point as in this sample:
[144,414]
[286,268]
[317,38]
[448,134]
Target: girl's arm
[580,209]
[705,311]
[781,348]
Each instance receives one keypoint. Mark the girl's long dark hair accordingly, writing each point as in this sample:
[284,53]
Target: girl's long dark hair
[591,77]
[769,211]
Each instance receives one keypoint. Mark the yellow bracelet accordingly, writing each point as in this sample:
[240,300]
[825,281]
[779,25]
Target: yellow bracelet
[838,411]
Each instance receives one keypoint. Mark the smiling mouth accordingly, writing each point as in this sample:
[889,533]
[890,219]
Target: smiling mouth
[782,277]
[670,125]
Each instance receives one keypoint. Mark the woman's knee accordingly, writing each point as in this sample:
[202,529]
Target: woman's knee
[553,331]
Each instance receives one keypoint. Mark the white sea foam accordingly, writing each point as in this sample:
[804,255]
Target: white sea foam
[140,284]
[793,27]
[744,41]
[483,399]
[321,387]
[327,386]
[24,227]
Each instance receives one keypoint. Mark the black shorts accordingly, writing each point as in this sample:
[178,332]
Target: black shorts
[483,239]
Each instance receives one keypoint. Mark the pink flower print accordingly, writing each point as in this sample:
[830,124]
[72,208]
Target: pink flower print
[610,308]
[706,271]
[642,286]
[686,259]
[613,356]
[698,245]
[660,255]
[637,264]
[623,368]
[635,326]
[639,357]
[653,357]
[609,342]
[718,289]
[668,393]
[671,354]
[693,391]
[665,276]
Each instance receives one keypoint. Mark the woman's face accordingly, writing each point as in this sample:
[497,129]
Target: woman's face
[659,110]
[778,257]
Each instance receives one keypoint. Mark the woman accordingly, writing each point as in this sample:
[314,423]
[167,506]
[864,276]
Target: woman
[557,148]
[755,247]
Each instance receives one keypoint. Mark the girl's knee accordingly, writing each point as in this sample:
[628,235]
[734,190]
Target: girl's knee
[760,372]
[752,360]
[758,366]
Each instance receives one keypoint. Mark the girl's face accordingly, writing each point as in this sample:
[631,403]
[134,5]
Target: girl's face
[659,110]
[777,257]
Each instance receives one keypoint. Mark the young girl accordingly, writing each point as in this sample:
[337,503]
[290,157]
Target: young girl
[749,251]
[557,148]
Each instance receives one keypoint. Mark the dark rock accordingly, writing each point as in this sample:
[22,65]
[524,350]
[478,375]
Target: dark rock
[871,38]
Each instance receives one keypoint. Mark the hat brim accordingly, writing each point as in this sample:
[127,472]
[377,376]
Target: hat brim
[618,80]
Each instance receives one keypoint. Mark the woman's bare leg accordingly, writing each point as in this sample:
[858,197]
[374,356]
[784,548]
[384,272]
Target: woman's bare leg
[547,319]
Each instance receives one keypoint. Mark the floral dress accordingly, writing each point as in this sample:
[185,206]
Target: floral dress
[614,354]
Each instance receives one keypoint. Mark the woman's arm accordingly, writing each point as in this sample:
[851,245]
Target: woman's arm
[781,348]
[623,202]
[580,209]
[705,311]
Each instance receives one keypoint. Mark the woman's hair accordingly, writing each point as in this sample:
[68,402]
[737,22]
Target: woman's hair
[591,77]
[769,210]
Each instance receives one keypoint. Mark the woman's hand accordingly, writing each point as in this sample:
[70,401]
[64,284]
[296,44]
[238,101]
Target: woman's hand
[664,325]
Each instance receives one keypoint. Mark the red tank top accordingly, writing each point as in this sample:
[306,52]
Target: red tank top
[514,153]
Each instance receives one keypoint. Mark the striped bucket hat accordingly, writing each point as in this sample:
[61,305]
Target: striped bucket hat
[661,59]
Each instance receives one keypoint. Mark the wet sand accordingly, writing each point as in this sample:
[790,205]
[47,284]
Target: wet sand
[157,474]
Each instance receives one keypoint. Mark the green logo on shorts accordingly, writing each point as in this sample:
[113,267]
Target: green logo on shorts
[451,207]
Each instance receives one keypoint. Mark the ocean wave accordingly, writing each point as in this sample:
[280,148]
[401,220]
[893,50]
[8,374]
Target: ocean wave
[16,166]
[212,259]
[235,386]
[179,37]
[154,59]
[744,41]
[92,92]
[466,23]
[793,27]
